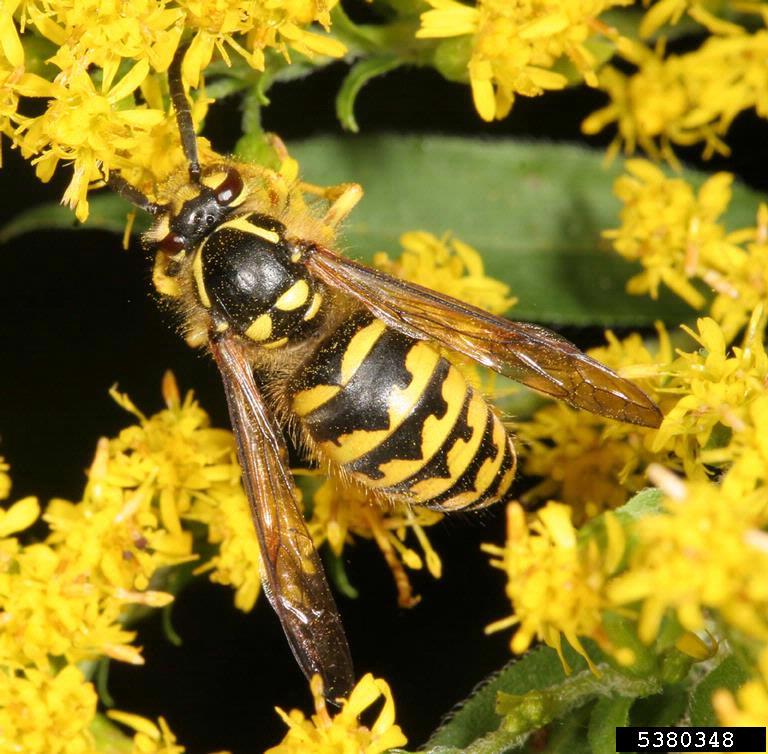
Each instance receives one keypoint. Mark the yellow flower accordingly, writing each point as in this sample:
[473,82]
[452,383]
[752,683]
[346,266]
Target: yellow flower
[515,46]
[750,705]
[230,526]
[249,27]
[671,231]
[717,389]
[340,512]
[343,733]
[555,583]
[44,713]
[149,738]
[670,11]
[683,99]
[677,236]
[140,30]
[85,126]
[185,470]
[706,551]
[741,283]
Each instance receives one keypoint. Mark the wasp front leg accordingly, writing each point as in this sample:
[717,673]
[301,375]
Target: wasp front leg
[343,198]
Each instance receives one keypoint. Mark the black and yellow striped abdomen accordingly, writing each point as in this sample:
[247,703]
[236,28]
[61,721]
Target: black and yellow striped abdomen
[400,419]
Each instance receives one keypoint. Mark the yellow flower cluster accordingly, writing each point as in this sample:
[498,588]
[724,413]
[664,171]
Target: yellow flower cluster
[706,551]
[70,596]
[556,584]
[677,236]
[683,99]
[343,733]
[105,109]
[515,47]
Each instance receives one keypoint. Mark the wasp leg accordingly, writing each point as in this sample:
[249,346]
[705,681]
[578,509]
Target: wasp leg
[343,199]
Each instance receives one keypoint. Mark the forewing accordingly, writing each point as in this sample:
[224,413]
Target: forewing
[527,353]
[292,574]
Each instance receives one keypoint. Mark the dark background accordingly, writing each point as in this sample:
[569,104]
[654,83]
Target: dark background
[75,317]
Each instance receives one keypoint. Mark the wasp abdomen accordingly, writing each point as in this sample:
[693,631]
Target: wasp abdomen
[245,274]
[401,419]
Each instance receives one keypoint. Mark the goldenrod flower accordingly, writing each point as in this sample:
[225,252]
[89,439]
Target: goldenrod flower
[249,27]
[341,512]
[717,389]
[670,11]
[683,99]
[555,583]
[672,231]
[706,551]
[678,237]
[84,125]
[515,46]
[750,705]
[46,712]
[149,738]
[343,733]
[94,122]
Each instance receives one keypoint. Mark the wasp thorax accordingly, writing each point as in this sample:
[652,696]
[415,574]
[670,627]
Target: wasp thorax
[248,276]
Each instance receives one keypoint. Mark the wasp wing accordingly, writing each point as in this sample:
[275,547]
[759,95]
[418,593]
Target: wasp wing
[527,353]
[292,574]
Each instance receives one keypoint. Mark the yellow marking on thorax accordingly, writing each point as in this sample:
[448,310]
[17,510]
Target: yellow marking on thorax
[242,223]
[359,347]
[197,271]
[420,363]
[306,401]
[276,343]
[294,297]
[260,329]
[314,307]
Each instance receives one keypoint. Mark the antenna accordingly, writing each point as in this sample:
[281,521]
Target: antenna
[184,114]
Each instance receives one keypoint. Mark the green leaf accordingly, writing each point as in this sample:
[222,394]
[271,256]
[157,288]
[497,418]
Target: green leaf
[607,714]
[566,736]
[667,708]
[359,75]
[647,502]
[534,210]
[107,212]
[477,716]
[729,674]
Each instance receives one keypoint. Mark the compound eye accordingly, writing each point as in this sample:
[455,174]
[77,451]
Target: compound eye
[230,188]
[172,244]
